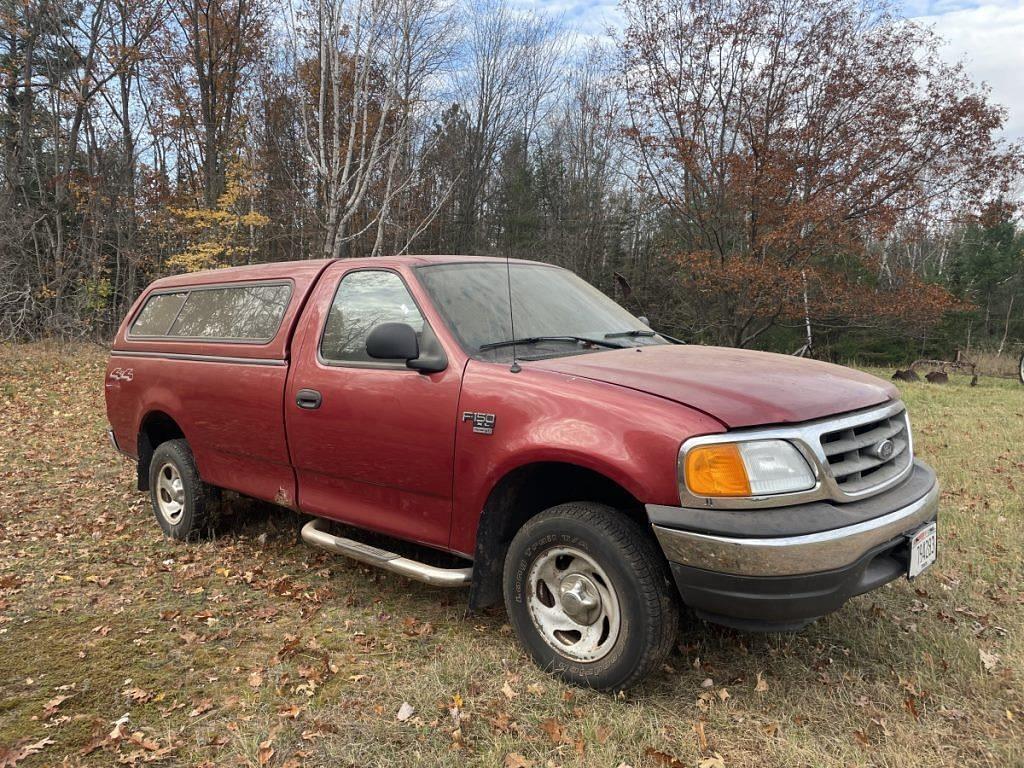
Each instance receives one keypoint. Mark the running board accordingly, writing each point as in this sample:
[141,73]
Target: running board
[313,533]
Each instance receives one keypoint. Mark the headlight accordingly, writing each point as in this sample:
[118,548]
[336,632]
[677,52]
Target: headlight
[752,468]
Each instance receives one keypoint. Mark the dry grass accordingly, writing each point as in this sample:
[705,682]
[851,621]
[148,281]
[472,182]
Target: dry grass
[252,649]
[990,364]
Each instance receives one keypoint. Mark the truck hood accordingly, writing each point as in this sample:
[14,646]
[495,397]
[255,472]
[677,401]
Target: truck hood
[739,387]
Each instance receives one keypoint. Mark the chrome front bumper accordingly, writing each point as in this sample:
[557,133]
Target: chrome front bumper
[795,555]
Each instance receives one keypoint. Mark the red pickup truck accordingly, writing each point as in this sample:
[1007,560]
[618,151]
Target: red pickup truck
[512,429]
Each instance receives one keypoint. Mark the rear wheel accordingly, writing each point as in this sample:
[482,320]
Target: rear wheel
[589,596]
[1020,369]
[182,503]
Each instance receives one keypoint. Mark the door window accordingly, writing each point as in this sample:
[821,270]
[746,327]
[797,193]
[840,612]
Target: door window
[364,300]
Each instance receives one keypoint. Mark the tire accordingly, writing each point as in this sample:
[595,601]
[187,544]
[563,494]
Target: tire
[587,551]
[1020,370]
[182,503]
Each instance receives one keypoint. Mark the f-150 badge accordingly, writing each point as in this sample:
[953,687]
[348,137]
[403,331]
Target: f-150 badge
[483,423]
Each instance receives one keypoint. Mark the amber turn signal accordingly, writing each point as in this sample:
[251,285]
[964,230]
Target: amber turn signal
[716,470]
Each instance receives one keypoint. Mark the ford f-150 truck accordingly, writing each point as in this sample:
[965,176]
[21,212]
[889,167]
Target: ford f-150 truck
[532,439]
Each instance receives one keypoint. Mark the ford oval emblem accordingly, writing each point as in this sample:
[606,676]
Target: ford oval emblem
[883,450]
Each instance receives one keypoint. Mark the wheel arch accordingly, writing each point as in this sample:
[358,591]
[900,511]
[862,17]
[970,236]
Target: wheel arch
[156,427]
[521,494]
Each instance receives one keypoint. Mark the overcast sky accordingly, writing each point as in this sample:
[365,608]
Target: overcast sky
[987,35]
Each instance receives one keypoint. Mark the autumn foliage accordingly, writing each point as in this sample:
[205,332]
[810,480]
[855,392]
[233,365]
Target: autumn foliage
[731,169]
[789,138]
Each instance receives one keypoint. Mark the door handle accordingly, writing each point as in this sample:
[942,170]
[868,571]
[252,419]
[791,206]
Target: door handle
[308,399]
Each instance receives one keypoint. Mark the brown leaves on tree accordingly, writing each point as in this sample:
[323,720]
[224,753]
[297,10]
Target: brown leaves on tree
[789,139]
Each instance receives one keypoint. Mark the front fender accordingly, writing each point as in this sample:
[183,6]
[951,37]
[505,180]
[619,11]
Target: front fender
[629,437]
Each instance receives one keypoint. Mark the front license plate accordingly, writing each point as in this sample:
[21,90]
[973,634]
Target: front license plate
[923,546]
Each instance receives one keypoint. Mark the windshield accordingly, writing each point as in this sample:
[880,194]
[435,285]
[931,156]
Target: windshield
[548,302]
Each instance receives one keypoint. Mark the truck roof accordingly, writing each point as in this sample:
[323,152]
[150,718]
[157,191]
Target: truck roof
[310,267]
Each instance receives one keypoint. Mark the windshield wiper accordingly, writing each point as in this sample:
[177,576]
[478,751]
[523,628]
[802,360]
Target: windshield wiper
[631,334]
[540,339]
[643,333]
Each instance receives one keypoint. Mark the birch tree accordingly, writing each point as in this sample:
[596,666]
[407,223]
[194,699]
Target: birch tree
[363,68]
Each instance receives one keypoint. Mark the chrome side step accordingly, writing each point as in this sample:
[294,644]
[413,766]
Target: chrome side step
[313,533]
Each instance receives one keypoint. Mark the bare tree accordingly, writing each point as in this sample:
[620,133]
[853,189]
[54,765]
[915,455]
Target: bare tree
[513,67]
[361,75]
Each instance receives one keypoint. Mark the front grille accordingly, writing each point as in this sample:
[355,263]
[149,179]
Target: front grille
[852,459]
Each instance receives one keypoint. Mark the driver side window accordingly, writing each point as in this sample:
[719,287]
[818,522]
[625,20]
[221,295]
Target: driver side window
[364,300]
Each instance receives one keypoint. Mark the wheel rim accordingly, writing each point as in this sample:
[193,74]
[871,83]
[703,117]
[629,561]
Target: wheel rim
[573,604]
[170,494]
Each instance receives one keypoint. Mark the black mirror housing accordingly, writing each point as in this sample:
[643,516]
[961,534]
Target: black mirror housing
[393,341]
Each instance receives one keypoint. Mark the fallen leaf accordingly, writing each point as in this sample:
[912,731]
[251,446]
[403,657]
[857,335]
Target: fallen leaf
[715,761]
[663,758]
[139,739]
[553,729]
[515,760]
[405,711]
[508,691]
[202,707]
[911,706]
[50,707]
[988,660]
[702,738]
[120,729]
[502,722]
[266,752]
[255,678]
[708,683]
[11,756]
[137,694]
[762,684]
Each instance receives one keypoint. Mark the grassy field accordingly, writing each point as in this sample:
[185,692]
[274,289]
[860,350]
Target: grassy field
[120,647]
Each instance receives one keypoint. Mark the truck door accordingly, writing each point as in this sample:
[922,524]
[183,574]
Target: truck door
[372,441]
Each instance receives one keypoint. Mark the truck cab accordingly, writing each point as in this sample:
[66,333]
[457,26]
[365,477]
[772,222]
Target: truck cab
[563,457]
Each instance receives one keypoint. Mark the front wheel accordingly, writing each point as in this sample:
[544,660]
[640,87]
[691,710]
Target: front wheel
[589,596]
[1020,370]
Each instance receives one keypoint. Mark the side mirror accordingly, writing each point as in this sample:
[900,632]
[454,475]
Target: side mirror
[393,341]
[644,320]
